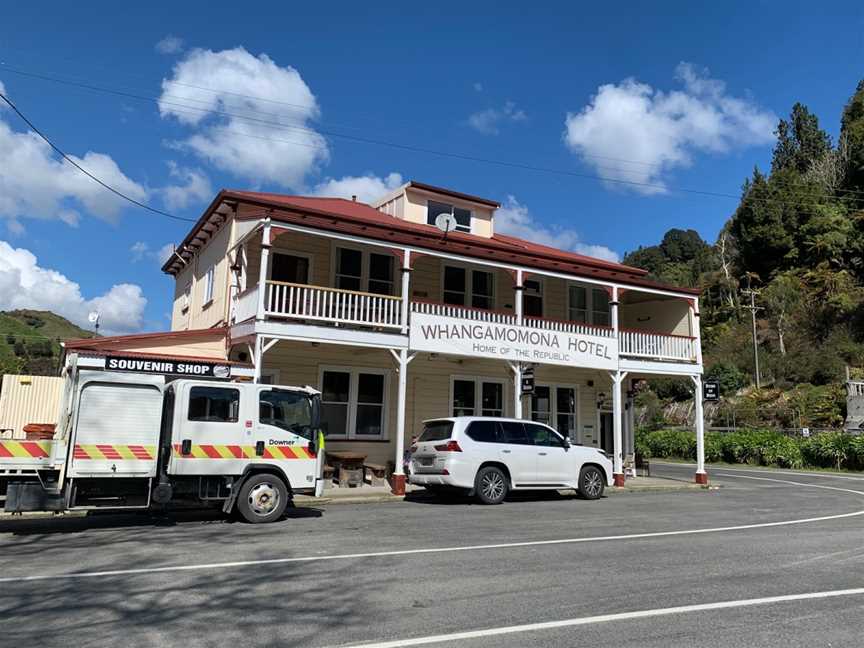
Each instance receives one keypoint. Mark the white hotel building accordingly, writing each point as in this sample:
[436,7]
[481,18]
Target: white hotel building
[397,322]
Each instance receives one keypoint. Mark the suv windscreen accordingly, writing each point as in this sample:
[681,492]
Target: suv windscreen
[483,431]
[436,431]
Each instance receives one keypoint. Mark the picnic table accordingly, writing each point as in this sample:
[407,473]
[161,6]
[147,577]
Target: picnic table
[348,467]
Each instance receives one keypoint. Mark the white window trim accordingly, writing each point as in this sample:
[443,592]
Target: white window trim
[289,252]
[209,286]
[542,295]
[469,283]
[365,261]
[352,402]
[453,206]
[478,393]
[589,301]
[553,404]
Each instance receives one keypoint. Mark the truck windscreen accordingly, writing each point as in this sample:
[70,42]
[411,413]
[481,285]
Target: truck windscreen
[291,411]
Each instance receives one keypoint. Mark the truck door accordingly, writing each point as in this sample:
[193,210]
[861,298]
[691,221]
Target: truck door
[286,429]
[207,437]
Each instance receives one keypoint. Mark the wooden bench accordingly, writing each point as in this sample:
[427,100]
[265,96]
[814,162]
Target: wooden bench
[375,474]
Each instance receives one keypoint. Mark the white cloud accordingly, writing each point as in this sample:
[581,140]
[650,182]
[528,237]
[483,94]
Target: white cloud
[488,121]
[141,251]
[34,183]
[254,93]
[194,188]
[513,218]
[169,45]
[25,284]
[367,188]
[632,132]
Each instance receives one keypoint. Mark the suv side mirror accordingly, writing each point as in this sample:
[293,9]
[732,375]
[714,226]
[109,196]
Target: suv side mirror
[566,442]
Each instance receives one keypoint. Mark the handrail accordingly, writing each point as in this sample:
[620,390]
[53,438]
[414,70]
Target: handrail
[654,332]
[497,311]
[328,289]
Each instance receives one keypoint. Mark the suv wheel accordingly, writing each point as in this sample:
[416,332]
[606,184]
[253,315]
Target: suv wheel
[262,498]
[490,485]
[591,482]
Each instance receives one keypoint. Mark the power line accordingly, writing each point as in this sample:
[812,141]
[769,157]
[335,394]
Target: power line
[85,171]
[179,106]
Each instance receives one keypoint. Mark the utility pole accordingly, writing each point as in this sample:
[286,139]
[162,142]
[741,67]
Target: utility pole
[753,308]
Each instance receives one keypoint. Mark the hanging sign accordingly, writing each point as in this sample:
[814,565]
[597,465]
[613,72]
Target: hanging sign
[168,367]
[508,342]
[528,380]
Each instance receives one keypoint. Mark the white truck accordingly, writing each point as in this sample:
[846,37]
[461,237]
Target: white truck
[132,441]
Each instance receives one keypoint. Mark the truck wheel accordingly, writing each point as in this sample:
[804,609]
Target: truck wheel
[262,498]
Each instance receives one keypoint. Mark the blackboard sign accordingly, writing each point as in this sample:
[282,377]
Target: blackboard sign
[711,390]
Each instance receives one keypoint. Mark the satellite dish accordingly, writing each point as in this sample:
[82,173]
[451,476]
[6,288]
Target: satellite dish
[445,222]
[93,317]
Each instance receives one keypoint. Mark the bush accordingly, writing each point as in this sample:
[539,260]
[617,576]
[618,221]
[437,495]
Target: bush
[730,377]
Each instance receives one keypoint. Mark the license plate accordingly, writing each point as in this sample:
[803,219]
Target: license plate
[427,461]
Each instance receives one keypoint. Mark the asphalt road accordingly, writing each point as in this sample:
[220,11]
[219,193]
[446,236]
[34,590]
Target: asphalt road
[440,569]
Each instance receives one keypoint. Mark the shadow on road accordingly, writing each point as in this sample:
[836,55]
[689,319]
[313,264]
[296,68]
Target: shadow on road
[447,498]
[23,526]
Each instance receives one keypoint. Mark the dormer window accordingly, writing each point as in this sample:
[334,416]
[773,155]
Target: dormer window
[462,216]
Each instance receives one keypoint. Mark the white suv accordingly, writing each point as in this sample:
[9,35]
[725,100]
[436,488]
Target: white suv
[491,456]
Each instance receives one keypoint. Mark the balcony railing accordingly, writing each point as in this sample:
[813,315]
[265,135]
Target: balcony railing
[656,346]
[463,312]
[320,304]
[563,326]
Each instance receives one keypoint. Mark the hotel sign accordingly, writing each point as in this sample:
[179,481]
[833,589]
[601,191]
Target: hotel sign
[507,342]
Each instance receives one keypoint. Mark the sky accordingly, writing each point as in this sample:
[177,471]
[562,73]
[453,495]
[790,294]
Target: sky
[597,126]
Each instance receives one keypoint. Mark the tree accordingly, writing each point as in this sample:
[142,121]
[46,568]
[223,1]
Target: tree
[852,133]
[800,141]
[781,297]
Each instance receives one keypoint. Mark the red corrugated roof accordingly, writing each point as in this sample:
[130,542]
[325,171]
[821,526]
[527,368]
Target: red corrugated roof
[360,219]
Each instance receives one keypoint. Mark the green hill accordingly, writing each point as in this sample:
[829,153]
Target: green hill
[30,341]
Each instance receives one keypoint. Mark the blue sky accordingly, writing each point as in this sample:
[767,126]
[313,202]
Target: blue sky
[476,79]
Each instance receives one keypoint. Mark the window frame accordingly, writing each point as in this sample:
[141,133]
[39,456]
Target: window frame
[209,286]
[589,304]
[453,208]
[219,387]
[365,265]
[478,393]
[290,252]
[468,292]
[540,294]
[553,408]
[353,390]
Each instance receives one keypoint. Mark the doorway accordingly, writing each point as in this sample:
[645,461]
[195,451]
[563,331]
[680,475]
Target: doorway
[606,440]
[289,268]
[555,405]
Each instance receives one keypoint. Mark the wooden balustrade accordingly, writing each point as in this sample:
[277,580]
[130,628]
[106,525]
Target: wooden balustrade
[317,303]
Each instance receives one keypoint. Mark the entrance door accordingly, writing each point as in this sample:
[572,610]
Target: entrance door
[289,268]
[555,406]
[606,441]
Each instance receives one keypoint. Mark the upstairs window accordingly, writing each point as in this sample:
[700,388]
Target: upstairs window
[463,287]
[364,271]
[208,285]
[462,216]
[532,298]
[588,305]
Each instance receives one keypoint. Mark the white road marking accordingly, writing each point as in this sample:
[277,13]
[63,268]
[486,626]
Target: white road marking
[606,618]
[436,550]
[779,471]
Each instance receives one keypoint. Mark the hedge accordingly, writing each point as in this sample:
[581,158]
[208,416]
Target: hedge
[757,447]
